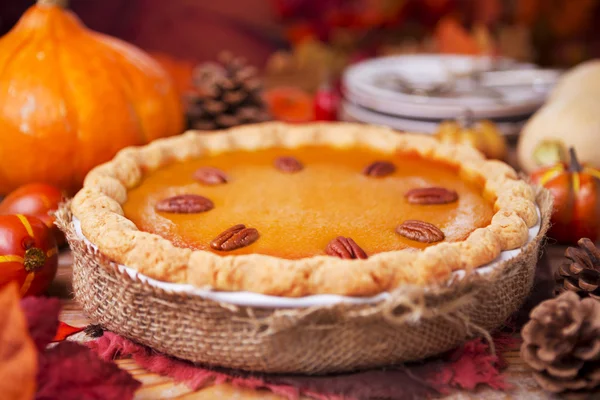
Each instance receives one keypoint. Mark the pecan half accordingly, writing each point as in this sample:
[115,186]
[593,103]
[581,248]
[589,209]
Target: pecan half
[288,164]
[379,169]
[234,238]
[210,176]
[431,195]
[185,204]
[345,248]
[420,231]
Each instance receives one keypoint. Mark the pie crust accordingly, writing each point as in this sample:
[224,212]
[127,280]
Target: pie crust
[98,207]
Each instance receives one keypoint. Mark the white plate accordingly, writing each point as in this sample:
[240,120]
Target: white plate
[368,84]
[266,301]
[353,113]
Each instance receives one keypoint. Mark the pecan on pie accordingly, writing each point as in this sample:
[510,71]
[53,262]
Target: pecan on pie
[295,210]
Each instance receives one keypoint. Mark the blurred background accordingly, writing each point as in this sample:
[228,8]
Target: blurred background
[557,33]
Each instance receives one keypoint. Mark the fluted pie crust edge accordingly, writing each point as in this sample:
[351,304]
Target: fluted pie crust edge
[98,206]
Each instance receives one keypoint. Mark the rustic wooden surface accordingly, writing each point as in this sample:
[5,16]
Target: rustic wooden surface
[159,387]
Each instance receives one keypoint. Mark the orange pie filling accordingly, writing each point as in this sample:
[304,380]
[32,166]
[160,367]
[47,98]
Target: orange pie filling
[297,203]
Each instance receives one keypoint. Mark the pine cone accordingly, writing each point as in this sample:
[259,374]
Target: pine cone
[581,272]
[561,343]
[225,95]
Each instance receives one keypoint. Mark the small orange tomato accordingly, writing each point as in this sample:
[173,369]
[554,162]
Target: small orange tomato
[38,200]
[28,253]
[576,192]
[290,104]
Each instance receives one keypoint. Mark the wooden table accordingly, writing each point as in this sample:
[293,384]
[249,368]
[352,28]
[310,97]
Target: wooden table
[159,387]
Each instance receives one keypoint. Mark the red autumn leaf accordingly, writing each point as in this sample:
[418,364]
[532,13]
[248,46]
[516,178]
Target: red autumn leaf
[64,331]
[70,371]
[42,319]
[473,364]
[17,350]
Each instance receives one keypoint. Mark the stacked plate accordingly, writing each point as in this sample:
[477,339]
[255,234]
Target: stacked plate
[417,92]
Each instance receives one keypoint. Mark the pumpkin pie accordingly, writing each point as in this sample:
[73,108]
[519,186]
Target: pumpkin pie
[295,210]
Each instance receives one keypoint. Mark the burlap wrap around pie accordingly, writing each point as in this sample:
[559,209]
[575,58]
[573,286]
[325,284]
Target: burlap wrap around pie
[414,323]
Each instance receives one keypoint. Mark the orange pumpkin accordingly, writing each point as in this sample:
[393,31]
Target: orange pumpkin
[28,253]
[70,98]
[576,192]
[38,200]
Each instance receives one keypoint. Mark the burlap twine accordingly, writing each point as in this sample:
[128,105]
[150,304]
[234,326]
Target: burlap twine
[414,323]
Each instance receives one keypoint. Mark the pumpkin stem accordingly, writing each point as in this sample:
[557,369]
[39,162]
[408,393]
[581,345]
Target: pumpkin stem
[56,3]
[574,165]
[34,259]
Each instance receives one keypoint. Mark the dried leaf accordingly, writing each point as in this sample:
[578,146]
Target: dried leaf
[42,319]
[18,356]
[70,371]
[473,364]
[64,331]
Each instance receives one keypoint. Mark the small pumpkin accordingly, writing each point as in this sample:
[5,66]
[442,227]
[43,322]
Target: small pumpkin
[70,98]
[483,135]
[576,192]
[28,253]
[38,200]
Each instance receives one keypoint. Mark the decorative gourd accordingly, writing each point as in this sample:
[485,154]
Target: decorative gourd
[483,135]
[576,192]
[70,98]
[570,117]
[578,81]
[28,253]
[39,200]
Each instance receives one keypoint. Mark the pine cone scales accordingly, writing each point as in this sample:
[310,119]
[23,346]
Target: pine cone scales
[225,95]
[561,343]
[581,272]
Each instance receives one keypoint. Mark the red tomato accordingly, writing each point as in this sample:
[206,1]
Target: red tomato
[38,200]
[28,253]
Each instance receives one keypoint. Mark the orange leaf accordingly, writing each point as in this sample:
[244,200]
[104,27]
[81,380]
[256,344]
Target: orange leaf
[64,331]
[453,38]
[18,355]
